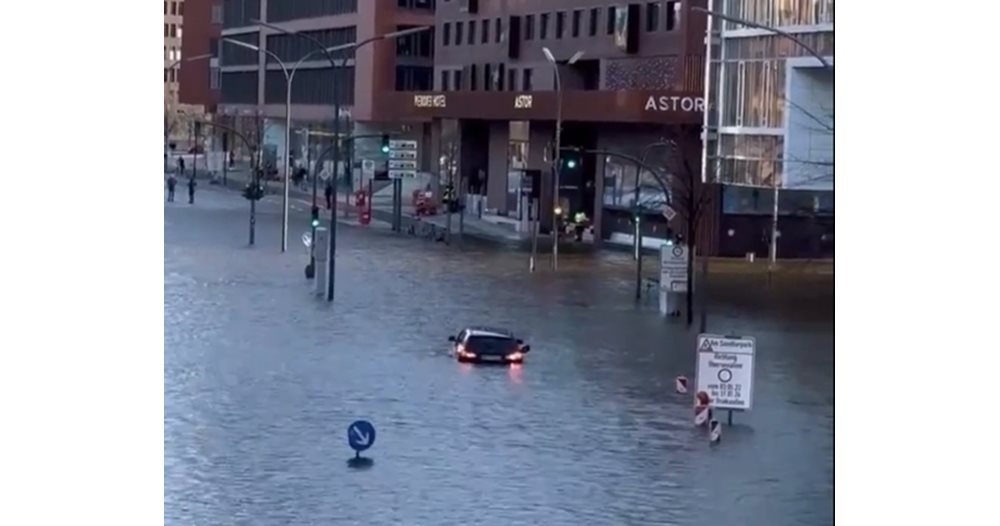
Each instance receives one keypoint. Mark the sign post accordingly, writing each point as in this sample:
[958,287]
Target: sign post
[403,159]
[725,371]
[360,436]
[673,277]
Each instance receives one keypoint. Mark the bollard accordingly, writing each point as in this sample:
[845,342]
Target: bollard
[681,384]
[714,432]
[702,408]
[322,251]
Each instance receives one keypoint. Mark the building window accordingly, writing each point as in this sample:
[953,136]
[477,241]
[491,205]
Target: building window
[444,79]
[458,32]
[166,30]
[173,30]
[180,33]
[173,8]
[652,16]
[456,80]
[487,77]
[577,18]
[165,12]
[180,8]
[527,84]
[414,78]
[594,13]
[560,23]
[609,24]
[473,78]
[543,28]
[671,15]
[166,71]
[485,29]
[512,79]
[529,27]
[472,32]
[217,14]
[446,34]
[213,78]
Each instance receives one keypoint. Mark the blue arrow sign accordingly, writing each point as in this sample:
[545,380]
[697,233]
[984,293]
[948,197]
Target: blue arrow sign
[360,435]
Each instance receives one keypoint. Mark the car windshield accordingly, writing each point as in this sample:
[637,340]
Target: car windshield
[490,344]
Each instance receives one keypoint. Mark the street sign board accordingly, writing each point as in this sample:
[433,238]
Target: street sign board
[402,145]
[669,212]
[396,174]
[367,168]
[360,435]
[725,370]
[674,268]
[395,164]
[402,154]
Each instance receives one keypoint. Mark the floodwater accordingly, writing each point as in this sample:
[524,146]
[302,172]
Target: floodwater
[262,380]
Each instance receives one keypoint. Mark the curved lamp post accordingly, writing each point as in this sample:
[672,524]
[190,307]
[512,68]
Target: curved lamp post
[556,168]
[353,47]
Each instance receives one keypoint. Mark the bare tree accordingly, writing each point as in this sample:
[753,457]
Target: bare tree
[689,197]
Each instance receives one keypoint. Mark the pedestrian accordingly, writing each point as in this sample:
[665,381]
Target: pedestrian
[329,195]
[180,166]
[191,185]
[232,158]
[171,185]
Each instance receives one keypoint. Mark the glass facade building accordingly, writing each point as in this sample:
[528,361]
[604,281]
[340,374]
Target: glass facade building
[770,101]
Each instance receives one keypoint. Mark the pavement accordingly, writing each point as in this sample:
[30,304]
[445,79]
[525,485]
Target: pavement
[492,233]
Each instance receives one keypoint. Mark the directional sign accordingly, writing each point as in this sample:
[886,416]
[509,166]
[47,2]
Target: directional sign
[402,165]
[674,268]
[396,174]
[725,370]
[402,154]
[360,435]
[402,145]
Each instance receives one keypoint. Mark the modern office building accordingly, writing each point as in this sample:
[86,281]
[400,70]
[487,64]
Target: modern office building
[770,124]
[631,75]
[253,85]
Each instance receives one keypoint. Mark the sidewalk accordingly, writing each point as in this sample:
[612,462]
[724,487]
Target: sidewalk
[489,232]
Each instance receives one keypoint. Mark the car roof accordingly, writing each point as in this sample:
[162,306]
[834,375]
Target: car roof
[489,331]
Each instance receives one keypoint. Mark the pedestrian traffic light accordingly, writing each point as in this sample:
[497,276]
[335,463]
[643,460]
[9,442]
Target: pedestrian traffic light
[570,163]
[315,217]
[385,144]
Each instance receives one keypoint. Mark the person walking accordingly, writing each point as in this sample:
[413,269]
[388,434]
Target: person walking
[328,192]
[180,166]
[191,185]
[171,185]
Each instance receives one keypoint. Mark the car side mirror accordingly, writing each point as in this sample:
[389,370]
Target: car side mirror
[526,348]
[520,342]
[451,338]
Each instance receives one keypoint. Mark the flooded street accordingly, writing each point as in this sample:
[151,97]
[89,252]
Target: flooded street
[261,381]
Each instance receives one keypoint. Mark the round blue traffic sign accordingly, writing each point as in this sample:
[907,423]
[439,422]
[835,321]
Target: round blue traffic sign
[361,435]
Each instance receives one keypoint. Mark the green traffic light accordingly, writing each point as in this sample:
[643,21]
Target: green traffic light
[571,163]
[315,223]
[385,149]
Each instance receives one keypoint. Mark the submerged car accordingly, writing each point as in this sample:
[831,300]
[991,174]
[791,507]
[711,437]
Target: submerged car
[483,344]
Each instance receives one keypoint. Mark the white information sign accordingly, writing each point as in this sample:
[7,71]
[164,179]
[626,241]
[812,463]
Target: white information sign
[674,268]
[725,370]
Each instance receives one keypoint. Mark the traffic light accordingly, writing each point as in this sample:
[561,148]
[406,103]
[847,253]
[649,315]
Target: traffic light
[385,144]
[571,159]
[315,217]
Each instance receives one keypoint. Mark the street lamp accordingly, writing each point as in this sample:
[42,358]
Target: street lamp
[166,108]
[556,168]
[822,60]
[289,76]
[353,47]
